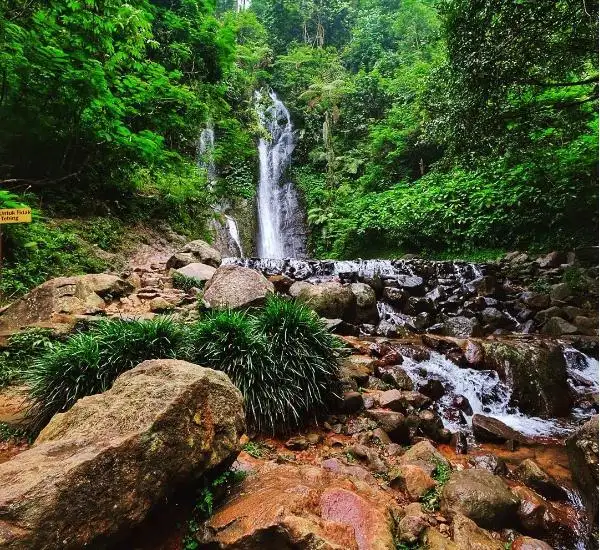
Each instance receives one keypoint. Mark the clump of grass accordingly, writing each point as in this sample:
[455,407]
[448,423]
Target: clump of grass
[88,363]
[431,499]
[185,283]
[255,449]
[22,349]
[282,359]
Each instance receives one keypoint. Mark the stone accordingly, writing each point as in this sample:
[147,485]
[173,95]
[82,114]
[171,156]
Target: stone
[527,543]
[585,325]
[195,252]
[535,514]
[59,301]
[391,399]
[425,456]
[96,470]
[433,389]
[431,425]
[480,496]
[199,272]
[468,535]
[546,314]
[392,423]
[553,259]
[412,479]
[560,292]
[282,283]
[484,286]
[352,401]
[357,368]
[556,326]
[582,450]
[331,300]
[534,477]
[412,283]
[395,296]
[489,462]
[486,428]
[462,327]
[298,443]
[160,305]
[494,318]
[538,372]
[434,540]
[366,303]
[286,506]
[474,354]
[535,300]
[414,399]
[236,288]
[410,528]
[396,376]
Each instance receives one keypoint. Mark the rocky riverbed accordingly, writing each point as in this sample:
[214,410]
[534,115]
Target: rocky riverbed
[467,415]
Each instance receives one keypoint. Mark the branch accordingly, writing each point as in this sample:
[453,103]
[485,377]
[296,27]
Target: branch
[591,80]
[46,181]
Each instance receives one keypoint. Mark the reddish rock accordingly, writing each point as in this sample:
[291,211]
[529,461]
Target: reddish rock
[527,543]
[412,479]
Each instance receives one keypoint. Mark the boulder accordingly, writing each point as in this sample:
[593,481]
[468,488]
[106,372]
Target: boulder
[533,476]
[560,292]
[396,376]
[195,252]
[197,271]
[557,326]
[468,535]
[538,372]
[481,496]
[358,368]
[97,470]
[297,287]
[285,506]
[331,300]
[58,300]
[546,314]
[527,543]
[425,456]
[411,525]
[392,423]
[535,300]
[282,283]
[462,327]
[412,283]
[237,287]
[414,480]
[366,303]
[582,449]
[486,428]
[434,540]
[396,296]
[536,515]
[391,399]
[494,318]
[550,260]
[489,462]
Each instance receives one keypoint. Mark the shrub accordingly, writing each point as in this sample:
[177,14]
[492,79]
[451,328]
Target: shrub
[88,363]
[21,351]
[185,283]
[282,359]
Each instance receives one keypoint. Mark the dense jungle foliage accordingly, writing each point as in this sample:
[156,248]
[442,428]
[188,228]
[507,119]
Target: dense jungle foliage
[431,126]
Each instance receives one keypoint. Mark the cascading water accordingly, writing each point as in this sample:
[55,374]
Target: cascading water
[206,162]
[281,231]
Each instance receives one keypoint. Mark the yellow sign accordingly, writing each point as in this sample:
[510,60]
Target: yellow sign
[15,215]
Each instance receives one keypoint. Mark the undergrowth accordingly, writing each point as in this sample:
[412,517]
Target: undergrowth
[431,499]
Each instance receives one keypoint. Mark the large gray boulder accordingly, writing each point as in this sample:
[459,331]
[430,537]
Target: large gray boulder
[237,287]
[480,496]
[97,470]
[195,252]
[331,300]
[366,303]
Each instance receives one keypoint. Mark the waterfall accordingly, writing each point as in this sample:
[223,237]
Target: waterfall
[228,234]
[281,231]
[243,5]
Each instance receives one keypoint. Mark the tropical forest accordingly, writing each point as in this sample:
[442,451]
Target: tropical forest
[299,274]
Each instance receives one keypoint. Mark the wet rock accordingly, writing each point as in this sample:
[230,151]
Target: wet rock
[433,389]
[396,376]
[431,425]
[392,423]
[366,303]
[481,496]
[462,404]
[556,326]
[376,384]
[59,301]
[397,297]
[490,463]
[535,300]
[412,283]
[358,368]
[582,449]
[352,402]
[96,470]
[493,430]
[468,535]
[195,252]
[414,399]
[483,286]
[462,327]
[539,374]
[527,543]
[474,354]
[494,319]
[237,287]
[536,515]
[425,456]
[284,506]
[534,477]
[347,470]
[281,283]
[414,352]
[331,300]
[412,479]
